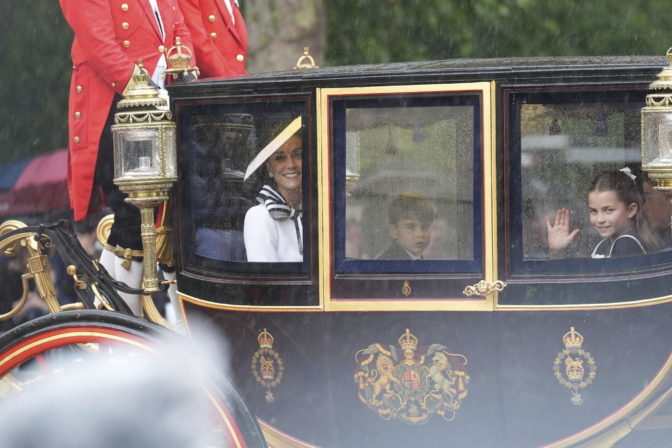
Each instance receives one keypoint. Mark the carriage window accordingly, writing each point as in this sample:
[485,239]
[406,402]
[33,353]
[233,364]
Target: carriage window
[244,189]
[579,206]
[565,148]
[407,192]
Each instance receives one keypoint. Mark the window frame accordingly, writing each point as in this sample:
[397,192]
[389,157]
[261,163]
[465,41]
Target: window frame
[331,278]
[238,271]
[626,281]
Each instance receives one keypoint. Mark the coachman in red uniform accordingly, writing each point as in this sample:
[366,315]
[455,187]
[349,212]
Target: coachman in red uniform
[219,35]
[111,36]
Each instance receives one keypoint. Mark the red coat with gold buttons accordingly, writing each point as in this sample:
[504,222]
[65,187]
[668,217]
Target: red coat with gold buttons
[221,45]
[110,37]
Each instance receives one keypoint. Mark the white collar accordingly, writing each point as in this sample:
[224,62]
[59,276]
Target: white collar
[157,14]
[230,8]
[413,257]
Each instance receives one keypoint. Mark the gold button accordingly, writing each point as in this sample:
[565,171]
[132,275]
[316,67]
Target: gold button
[126,44]
[124,25]
[76,139]
[79,89]
[211,19]
[162,48]
[240,58]
[78,115]
[213,35]
[124,7]
[114,84]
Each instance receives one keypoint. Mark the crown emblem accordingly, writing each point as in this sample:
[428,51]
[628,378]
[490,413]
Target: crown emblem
[267,365]
[265,339]
[572,339]
[408,341]
[178,57]
[580,368]
[574,369]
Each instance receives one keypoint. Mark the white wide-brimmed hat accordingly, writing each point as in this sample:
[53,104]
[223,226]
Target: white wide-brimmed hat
[279,140]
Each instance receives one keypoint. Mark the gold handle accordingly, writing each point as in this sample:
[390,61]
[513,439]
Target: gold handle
[484,288]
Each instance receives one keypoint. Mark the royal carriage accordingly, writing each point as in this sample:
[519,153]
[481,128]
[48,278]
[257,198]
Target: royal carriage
[485,340]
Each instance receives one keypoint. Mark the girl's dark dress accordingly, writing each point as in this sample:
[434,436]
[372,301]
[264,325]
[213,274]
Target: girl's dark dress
[625,245]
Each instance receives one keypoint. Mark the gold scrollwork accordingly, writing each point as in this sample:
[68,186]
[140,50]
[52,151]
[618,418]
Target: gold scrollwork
[37,264]
[660,99]
[104,228]
[142,117]
[484,288]
[9,247]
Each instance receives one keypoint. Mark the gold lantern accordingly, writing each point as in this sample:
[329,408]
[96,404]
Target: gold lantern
[657,130]
[145,165]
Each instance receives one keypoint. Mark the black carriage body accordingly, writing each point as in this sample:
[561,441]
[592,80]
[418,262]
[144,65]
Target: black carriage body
[484,339]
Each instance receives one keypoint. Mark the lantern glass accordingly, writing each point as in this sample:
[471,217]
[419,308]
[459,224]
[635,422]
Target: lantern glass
[136,153]
[657,137]
[169,151]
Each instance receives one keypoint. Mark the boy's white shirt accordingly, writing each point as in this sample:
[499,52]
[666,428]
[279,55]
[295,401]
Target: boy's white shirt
[413,257]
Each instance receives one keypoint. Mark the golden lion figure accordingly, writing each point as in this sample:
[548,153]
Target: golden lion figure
[385,377]
[574,368]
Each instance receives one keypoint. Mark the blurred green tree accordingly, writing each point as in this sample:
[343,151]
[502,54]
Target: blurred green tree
[36,45]
[362,31]
[35,53]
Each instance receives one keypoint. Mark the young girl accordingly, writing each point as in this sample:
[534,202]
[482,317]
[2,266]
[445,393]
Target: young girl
[615,208]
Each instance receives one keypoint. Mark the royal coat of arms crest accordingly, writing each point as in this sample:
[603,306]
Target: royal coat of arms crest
[411,383]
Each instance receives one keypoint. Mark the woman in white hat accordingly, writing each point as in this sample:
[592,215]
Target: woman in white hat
[273,229]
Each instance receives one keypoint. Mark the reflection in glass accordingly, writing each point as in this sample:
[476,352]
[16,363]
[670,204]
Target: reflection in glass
[421,152]
[219,148]
[665,132]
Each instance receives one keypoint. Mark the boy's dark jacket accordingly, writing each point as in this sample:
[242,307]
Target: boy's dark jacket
[395,252]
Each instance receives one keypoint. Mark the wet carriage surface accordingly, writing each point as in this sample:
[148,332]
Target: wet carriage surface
[475,334]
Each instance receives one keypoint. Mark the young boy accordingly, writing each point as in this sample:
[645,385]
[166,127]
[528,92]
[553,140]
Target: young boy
[410,218]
